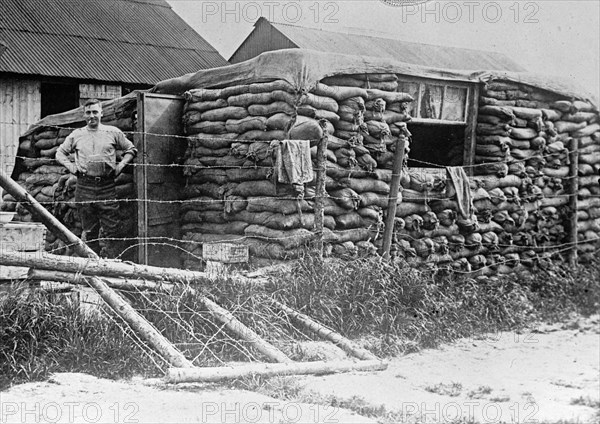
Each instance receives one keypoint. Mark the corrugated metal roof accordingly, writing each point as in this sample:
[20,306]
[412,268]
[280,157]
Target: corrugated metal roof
[404,51]
[128,41]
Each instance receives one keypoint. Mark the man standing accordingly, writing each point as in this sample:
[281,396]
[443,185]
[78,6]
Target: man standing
[94,149]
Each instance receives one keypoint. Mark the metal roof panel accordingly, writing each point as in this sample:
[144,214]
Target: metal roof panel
[129,41]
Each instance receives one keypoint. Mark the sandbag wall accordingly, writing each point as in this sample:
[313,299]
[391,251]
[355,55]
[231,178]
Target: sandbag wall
[524,135]
[519,190]
[38,172]
[232,137]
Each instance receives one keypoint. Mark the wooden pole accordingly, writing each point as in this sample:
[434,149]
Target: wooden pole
[320,191]
[573,191]
[102,267]
[115,283]
[214,374]
[232,324]
[139,324]
[325,332]
[393,202]
[116,302]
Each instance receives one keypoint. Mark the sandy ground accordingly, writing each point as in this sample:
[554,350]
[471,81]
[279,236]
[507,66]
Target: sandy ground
[549,374]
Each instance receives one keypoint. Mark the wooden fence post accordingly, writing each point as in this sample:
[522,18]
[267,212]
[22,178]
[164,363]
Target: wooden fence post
[393,202]
[573,191]
[320,192]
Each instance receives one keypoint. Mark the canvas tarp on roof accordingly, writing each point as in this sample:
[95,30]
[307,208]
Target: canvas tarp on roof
[304,68]
[75,116]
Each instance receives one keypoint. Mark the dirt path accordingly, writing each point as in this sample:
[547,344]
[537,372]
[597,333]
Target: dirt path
[546,375]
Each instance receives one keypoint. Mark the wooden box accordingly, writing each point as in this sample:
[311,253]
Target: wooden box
[226,253]
[20,237]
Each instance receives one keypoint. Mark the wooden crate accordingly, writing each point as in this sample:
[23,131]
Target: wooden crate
[20,237]
[226,253]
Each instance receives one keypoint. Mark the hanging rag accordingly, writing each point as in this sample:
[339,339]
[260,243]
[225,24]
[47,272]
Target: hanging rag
[460,181]
[293,163]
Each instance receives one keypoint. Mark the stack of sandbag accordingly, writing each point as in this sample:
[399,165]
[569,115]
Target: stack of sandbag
[513,133]
[431,230]
[230,193]
[232,141]
[528,132]
[49,182]
[577,120]
[588,196]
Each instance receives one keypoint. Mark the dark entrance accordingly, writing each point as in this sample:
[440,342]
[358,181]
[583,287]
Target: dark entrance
[58,98]
[436,145]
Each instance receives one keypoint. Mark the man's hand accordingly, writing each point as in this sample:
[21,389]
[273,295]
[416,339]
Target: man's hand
[119,168]
[127,158]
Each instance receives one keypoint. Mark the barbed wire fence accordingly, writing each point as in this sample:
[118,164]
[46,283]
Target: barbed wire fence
[200,337]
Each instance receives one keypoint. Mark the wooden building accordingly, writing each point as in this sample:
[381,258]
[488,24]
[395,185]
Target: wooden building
[54,57]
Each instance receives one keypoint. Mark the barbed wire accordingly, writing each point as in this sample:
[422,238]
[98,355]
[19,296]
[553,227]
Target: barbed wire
[174,243]
[133,336]
[504,262]
[425,199]
[508,161]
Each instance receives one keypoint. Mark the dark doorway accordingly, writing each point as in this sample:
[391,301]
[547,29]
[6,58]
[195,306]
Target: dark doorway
[57,98]
[438,144]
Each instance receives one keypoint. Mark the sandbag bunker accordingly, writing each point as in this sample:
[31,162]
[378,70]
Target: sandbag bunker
[500,170]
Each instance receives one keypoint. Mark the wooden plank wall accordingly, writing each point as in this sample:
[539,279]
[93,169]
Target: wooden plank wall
[20,106]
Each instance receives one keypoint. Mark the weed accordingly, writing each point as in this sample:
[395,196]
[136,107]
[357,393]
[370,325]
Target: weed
[284,388]
[480,392]
[586,401]
[446,389]
[499,399]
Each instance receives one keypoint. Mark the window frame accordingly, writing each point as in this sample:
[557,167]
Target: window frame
[470,111]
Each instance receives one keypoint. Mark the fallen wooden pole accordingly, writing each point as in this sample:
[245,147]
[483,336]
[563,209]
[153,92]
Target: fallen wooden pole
[99,267]
[112,299]
[236,327]
[214,374]
[139,324]
[115,283]
[107,268]
[325,332]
